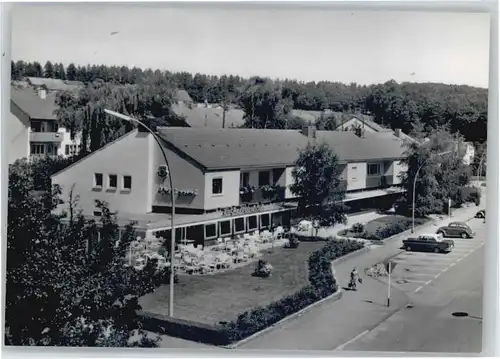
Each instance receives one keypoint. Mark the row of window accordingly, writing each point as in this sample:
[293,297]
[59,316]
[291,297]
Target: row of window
[45,126]
[372,169]
[43,148]
[112,181]
[72,149]
[264,177]
[237,226]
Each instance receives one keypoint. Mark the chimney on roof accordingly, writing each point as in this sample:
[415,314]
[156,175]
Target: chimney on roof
[309,131]
[397,132]
[42,93]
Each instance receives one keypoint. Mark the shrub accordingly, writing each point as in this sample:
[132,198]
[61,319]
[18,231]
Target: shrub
[358,228]
[470,195]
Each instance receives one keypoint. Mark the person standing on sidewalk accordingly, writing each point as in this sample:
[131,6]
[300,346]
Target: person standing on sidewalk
[354,279]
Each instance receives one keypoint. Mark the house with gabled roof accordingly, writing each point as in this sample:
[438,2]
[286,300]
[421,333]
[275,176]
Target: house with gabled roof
[182,96]
[205,115]
[226,182]
[32,126]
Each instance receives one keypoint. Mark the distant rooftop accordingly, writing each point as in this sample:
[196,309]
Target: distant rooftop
[200,116]
[32,104]
[183,96]
[54,84]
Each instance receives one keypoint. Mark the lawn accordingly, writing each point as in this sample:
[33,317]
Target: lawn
[372,227]
[221,297]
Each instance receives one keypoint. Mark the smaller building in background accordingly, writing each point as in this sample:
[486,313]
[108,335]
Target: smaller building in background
[32,126]
[469,152]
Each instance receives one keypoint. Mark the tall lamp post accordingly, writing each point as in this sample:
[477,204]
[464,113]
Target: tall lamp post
[414,188]
[480,168]
[172,200]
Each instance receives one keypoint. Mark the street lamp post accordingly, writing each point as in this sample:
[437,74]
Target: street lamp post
[172,200]
[480,168]
[414,188]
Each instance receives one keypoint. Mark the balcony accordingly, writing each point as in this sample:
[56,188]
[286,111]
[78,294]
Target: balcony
[378,181]
[46,137]
[250,194]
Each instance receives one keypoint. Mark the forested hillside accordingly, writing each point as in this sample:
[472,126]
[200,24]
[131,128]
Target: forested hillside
[267,102]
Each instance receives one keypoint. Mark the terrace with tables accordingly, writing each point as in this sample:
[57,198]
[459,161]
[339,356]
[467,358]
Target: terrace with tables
[227,253]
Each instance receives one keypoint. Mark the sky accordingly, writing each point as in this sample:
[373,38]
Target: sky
[365,47]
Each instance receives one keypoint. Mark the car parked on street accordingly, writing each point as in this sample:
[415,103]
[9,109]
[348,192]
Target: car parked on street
[481,214]
[456,229]
[429,243]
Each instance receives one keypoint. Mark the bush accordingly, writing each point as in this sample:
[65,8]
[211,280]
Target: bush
[358,228]
[322,283]
[470,195]
[388,229]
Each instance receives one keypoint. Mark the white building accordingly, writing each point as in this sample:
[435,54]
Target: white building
[33,128]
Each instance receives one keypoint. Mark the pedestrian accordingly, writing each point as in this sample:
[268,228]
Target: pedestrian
[355,278]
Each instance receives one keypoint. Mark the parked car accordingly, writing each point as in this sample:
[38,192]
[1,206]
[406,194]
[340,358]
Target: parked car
[456,229]
[481,214]
[429,243]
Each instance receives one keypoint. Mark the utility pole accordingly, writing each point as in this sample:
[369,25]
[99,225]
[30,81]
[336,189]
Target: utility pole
[389,286]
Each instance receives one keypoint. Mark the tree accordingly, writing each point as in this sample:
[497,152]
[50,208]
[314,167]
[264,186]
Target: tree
[18,71]
[38,72]
[264,105]
[71,72]
[440,177]
[267,103]
[60,72]
[48,70]
[65,287]
[83,111]
[318,186]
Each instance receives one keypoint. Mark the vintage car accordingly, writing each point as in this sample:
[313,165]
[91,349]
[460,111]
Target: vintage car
[481,214]
[428,243]
[456,229]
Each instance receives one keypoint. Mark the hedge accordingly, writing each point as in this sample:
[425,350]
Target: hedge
[322,283]
[386,230]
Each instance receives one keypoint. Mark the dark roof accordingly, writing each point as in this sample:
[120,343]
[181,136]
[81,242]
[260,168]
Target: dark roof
[235,148]
[246,148]
[182,95]
[55,84]
[32,105]
[374,145]
[368,120]
[200,116]
[306,115]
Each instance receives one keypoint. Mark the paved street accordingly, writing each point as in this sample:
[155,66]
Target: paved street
[438,286]
[414,270]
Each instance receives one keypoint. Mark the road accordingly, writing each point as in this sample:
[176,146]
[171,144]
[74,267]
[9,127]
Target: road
[438,286]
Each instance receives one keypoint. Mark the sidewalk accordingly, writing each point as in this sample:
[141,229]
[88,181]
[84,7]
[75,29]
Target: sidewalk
[332,324]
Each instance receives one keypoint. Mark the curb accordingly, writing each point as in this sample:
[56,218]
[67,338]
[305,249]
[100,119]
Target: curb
[336,296]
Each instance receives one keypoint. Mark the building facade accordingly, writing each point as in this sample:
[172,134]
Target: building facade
[32,127]
[226,181]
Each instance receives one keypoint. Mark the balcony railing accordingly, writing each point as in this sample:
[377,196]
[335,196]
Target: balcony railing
[378,181]
[46,137]
[250,194]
